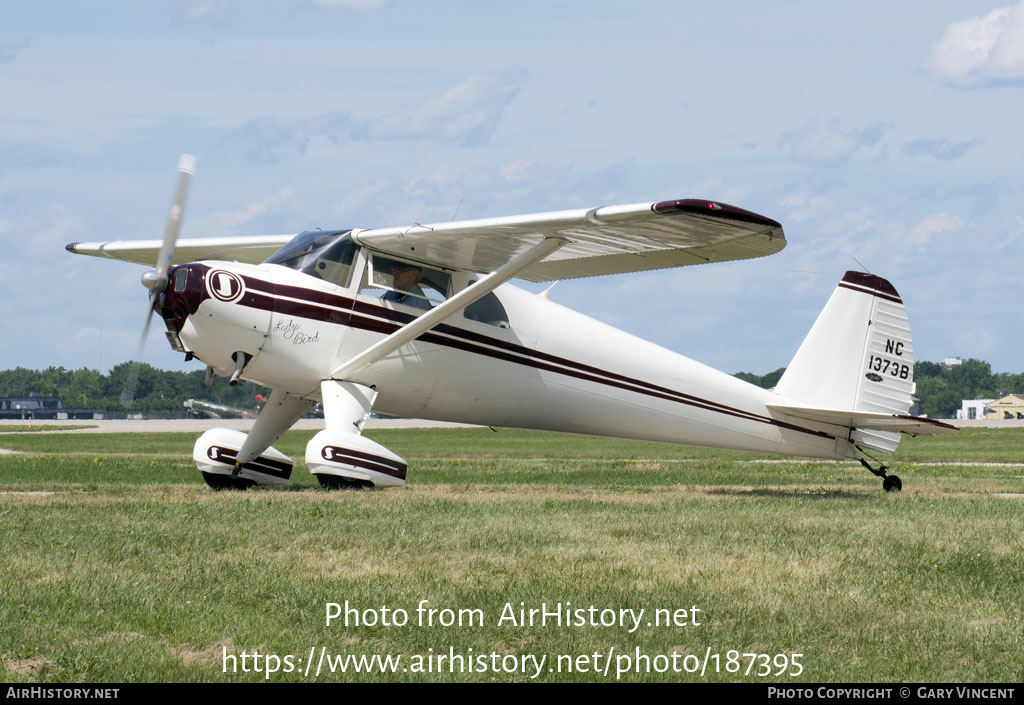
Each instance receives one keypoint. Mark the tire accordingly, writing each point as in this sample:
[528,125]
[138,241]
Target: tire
[337,482]
[226,482]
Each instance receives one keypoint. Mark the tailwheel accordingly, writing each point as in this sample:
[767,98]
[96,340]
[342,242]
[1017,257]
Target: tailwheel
[337,482]
[892,483]
[227,482]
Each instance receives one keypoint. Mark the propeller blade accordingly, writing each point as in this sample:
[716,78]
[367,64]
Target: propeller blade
[186,168]
[156,281]
[131,382]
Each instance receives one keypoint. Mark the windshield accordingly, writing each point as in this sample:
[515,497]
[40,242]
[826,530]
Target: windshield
[325,255]
[303,248]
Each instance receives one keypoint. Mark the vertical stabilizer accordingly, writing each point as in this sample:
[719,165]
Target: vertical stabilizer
[857,357]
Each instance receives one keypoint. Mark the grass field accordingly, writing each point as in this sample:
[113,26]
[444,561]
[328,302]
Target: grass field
[120,565]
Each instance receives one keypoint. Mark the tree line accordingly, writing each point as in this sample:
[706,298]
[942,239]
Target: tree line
[158,390]
[940,389]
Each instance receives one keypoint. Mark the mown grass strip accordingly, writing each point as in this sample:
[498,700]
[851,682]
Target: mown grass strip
[122,566]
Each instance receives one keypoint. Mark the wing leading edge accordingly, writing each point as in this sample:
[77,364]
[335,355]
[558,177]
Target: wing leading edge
[599,241]
[252,249]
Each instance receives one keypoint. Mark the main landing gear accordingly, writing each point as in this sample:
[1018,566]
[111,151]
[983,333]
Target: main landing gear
[890,483]
[339,456]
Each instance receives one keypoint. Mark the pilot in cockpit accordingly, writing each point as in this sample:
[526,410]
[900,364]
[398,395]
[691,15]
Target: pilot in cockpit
[405,278]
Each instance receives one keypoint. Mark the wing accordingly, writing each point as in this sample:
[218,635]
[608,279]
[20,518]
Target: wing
[607,240]
[251,248]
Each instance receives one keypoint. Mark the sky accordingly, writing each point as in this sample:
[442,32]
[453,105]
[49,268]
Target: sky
[883,136]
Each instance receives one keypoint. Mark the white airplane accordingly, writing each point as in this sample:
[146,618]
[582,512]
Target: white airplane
[419,321]
[212,410]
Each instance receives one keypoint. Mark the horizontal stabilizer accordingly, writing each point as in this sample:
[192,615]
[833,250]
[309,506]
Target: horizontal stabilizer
[911,425]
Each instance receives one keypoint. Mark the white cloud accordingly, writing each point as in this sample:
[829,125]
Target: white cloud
[921,233]
[25,155]
[981,51]
[801,207]
[828,142]
[517,169]
[977,341]
[941,149]
[465,115]
[719,188]
[9,49]
[253,210]
[56,228]
[1010,239]
[218,13]
[349,4]
[512,188]
[264,137]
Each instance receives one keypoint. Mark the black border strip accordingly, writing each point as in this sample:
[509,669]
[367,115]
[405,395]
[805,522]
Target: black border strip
[351,457]
[398,465]
[267,466]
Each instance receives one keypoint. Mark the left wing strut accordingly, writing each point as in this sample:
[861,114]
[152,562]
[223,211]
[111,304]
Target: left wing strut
[428,320]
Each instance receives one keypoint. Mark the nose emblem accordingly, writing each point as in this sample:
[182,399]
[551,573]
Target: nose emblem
[224,286]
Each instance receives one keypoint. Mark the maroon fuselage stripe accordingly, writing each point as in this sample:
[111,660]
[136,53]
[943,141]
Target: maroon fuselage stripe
[306,311]
[313,307]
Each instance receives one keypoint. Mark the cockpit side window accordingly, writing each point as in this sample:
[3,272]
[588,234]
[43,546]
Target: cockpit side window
[405,283]
[487,309]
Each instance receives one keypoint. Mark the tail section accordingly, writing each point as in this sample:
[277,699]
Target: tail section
[858,357]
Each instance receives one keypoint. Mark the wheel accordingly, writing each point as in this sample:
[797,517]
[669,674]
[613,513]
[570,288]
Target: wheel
[337,482]
[891,483]
[226,482]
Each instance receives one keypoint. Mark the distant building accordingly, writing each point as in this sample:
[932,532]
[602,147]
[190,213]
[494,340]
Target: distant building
[973,408]
[1009,407]
[951,362]
[37,407]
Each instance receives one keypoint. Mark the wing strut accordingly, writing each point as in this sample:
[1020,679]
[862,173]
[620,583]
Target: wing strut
[412,330]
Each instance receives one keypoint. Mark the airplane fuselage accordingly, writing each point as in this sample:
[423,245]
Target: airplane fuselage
[545,367]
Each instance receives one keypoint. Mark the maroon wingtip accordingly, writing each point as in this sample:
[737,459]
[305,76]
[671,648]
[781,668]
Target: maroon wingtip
[70,247]
[713,209]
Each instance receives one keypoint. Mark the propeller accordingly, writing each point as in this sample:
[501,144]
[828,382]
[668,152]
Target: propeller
[156,279]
